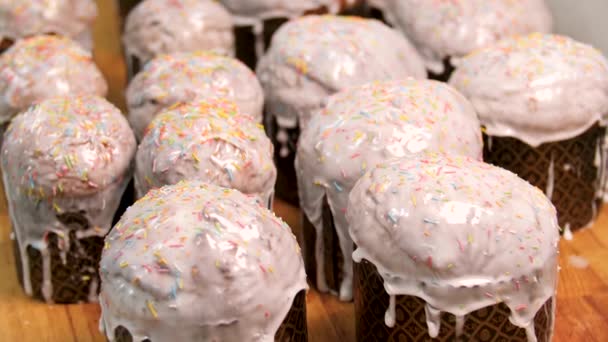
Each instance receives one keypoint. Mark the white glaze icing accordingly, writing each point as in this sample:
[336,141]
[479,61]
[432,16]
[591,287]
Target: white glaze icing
[185,77]
[313,57]
[64,155]
[458,233]
[195,262]
[568,232]
[70,18]
[441,29]
[41,67]
[601,162]
[522,87]
[157,27]
[364,125]
[208,141]
[577,261]
[550,178]
[253,12]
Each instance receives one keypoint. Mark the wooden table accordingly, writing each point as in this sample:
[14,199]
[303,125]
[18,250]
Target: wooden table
[582,309]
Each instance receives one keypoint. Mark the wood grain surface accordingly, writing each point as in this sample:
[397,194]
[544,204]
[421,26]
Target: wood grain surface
[582,309]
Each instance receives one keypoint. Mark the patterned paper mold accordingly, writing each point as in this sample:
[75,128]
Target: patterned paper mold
[206,259]
[157,27]
[362,126]
[452,29]
[67,156]
[459,234]
[42,67]
[209,141]
[70,18]
[185,77]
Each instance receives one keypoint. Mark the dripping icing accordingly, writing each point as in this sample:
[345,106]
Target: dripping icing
[550,179]
[389,316]
[433,320]
[523,288]
[568,232]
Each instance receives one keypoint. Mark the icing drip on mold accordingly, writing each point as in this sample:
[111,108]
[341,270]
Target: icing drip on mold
[550,179]
[499,244]
[568,232]
[62,156]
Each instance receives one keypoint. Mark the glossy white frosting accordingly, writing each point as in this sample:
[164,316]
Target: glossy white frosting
[210,141]
[64,155]
[156,27]
[458,233]
[196,262]
[185,77]
[365,125]
[251,12]
[441,29]
[313,57]
[41,67]
[536,88]
[71,18]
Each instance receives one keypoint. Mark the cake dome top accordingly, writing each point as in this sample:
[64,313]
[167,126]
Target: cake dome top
[442,29]
[538,88]
[40,67]
[209,141]
[70,146]
[207,258]
[156,27]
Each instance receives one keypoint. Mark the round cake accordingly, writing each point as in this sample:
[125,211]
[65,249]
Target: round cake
[360,127]
[542,99]
[65,164]
[70,18]
[446,30]
[453,235]
[196,262]
[210,141]
[186,77]
[157,27]
[42,67]
[311,58]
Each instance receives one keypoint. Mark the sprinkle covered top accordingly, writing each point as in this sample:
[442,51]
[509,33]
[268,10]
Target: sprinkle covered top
[458,233]
[23,18]
[365,125]
[185,77]
[209,141]
[156,27]
[71,146]
[189,247]
[313,57]
[40,67]
[441,29]
[538,88]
